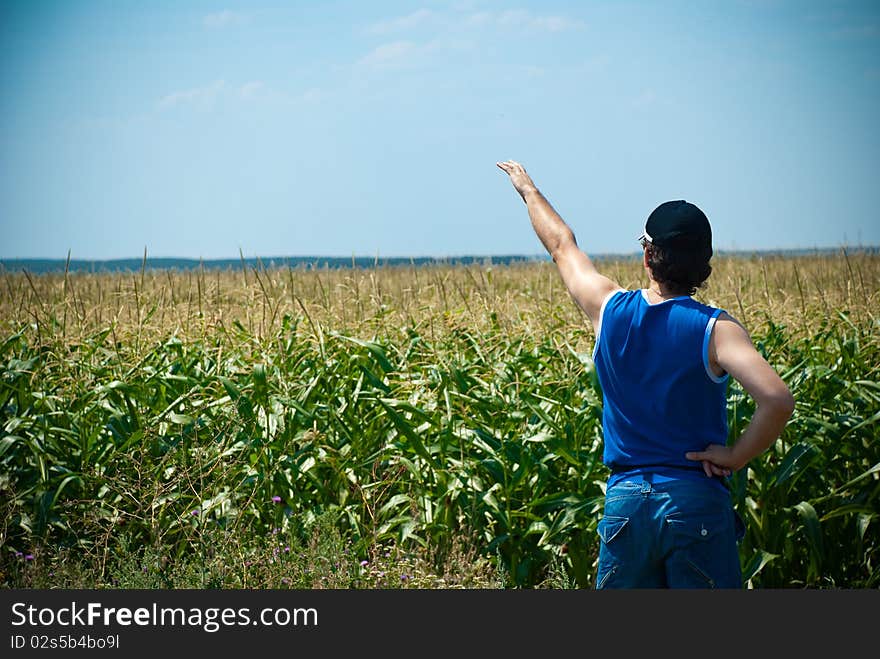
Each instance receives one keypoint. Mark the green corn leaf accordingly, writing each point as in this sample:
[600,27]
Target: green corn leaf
[813,530]
[794,462]
[374,349]
[849,509]
[373,379]
[396,501]
[405,429]
[760,559]
[859,426]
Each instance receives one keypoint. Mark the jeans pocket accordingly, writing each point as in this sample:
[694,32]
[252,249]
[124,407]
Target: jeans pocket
[704,551]
[610,526]
[610,555]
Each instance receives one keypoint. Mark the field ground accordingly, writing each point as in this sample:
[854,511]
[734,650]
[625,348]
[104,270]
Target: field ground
[430,427]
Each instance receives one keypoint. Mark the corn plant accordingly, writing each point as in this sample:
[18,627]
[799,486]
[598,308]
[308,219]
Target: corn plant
[188,415]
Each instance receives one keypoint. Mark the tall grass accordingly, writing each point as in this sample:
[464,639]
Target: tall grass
[222,428]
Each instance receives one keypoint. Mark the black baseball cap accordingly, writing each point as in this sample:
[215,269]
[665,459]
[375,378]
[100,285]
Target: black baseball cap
[679,225]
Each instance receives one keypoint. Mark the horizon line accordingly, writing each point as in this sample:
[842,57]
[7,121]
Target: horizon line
[39,266]
[398,257]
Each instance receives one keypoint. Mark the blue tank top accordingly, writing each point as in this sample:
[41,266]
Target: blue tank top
[660,397]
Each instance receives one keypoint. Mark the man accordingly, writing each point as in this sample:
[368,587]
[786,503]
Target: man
[663,361]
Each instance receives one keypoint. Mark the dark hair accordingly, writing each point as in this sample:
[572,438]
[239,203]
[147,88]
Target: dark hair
[682,271]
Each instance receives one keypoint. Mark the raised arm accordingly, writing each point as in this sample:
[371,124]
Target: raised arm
[731,350]
[586,285]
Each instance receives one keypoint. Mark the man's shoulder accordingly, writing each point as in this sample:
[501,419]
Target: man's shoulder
[621,295]
[618,298]
[705,308]
[727,330]
[725,319]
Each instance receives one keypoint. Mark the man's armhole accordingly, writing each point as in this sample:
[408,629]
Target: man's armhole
[599,319]
[706,339]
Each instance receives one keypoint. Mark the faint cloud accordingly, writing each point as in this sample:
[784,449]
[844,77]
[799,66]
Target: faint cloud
[521,19]
[251,89]
[388,54]
[223,19]
[206,97]
[533,71]
[398,55]
[313,95]
[477,19]
[202,97]
[409,54]
[402,23]
[646,98]
[449,28]
[596,64]
[553,23]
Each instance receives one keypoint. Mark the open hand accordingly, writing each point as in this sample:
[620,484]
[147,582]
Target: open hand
[521,181]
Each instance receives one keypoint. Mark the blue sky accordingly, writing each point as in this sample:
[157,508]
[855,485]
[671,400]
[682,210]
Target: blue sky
[339,128]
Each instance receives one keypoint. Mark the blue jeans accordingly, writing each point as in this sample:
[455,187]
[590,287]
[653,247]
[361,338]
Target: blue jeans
[672,534]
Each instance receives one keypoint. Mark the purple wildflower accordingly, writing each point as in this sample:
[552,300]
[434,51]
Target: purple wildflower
[365,563]
[195,512]
[29,557]
[18,554]
[285,580]
[287,549]
[276,499]
[404,577]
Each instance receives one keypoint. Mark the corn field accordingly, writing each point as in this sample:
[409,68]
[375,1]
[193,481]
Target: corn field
[155,419]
